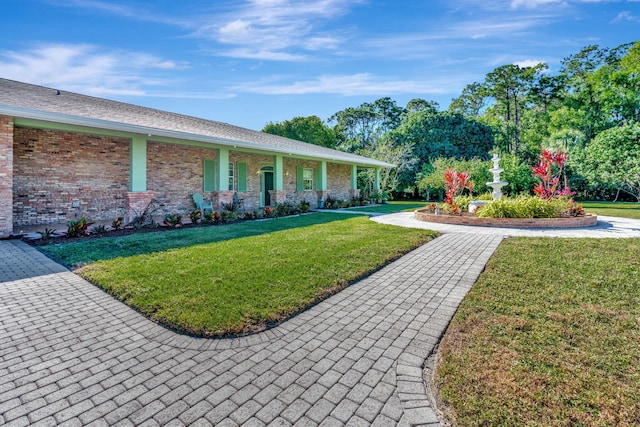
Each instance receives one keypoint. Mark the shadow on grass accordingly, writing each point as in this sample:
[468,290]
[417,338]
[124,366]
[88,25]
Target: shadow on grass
[77,254]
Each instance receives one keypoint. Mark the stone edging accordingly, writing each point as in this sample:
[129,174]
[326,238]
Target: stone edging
[587,220]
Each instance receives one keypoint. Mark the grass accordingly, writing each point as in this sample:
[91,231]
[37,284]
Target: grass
[619,209]
[220,281]
[393,206]
[548,336]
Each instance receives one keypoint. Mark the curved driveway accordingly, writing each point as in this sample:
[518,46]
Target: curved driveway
[72,355]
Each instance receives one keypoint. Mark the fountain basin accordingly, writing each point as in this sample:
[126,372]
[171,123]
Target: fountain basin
[587,220]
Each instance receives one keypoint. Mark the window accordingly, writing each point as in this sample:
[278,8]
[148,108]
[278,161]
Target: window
[307,179]
[231,176]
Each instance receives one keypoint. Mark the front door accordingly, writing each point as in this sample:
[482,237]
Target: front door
[268,185]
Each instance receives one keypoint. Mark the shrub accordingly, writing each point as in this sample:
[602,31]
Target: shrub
[524,207]
[268,212]
[47,233]
[284,209]
[304,206]
[117,223]
[78,228]
[249,215]
[98,230]
[463,202]
[195,216]
[173,220]
[454,184]
[231,206]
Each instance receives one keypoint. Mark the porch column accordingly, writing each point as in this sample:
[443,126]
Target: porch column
[322,177]
[277,194]
[278,173]
[222,193]
[6,176]
[138,171]
[376,182]
[138,198]
[354,192]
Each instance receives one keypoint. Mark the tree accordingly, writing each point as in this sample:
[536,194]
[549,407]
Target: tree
[613,158]
[471,101]
[359,129]
[308,129]
[419,104]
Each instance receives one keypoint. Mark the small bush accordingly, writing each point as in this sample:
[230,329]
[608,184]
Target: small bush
[524,207]
[284,209]
[173,220]
[304,206]
[78,228]
[268,212]
[47,233]
[249,215]
[98,230]
[195,216]
[117,223]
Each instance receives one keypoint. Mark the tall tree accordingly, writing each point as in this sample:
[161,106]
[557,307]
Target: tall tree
[471,101]
[358,129]
[308,129]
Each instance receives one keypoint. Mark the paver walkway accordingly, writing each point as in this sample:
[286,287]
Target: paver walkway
[72,355]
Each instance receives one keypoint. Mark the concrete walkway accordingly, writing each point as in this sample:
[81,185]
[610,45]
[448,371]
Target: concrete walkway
[72,355]
[607,227]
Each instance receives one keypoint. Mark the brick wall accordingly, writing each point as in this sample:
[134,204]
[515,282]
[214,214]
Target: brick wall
[290,187]
[63,175]
[339,181]
[251,198]
[6,176]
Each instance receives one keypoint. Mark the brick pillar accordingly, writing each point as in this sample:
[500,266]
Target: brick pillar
[6,176]
[138,202]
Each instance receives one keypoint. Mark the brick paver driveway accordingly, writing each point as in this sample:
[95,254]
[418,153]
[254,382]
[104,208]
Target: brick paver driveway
[72,355]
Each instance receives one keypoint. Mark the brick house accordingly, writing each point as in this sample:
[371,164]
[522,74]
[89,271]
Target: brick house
[65,155]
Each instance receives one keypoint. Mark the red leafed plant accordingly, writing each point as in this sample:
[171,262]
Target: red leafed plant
[454,184]
[549,170]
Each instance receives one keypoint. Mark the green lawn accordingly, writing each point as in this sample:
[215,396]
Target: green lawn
[234,279]
[548,336]
[393,206]
[619,209]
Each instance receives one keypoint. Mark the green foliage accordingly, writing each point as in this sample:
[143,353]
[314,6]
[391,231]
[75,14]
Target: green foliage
[195,216]
[524,207]
[431,180]
[98,230]
[308,129]
[303,207]
[117,223]
[173,220]
[517,173]
[47,233]
[613,158]
[78,227]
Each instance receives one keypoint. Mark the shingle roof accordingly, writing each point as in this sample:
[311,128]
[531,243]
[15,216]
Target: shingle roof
[37,102]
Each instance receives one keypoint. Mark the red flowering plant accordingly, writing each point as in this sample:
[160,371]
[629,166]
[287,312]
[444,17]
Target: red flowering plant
[549,170]
[454,185]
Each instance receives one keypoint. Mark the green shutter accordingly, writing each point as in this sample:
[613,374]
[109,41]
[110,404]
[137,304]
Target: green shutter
[299,178]
[242,177]
[209,166]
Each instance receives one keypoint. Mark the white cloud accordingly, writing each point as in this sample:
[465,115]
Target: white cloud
[348,85]
[275,30]
[626,16]
[528,63]
[85,68]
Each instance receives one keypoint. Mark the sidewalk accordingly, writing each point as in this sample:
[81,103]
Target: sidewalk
[69,353]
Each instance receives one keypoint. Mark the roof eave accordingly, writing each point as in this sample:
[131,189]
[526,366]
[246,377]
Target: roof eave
[47,116]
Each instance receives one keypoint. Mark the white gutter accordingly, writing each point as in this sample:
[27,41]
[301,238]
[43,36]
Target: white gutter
[46,116]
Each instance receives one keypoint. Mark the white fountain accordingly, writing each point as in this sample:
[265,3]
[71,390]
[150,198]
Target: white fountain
[496,184]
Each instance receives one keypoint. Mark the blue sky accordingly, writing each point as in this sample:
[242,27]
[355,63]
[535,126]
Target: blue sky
[249,62]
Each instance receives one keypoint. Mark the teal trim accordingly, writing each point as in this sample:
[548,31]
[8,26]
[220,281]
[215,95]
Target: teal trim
[376,182]
[299,178]
[242,176]
[322,176]
[354,177]
[278,176]
[138,164]
[222,178]
[209,175]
